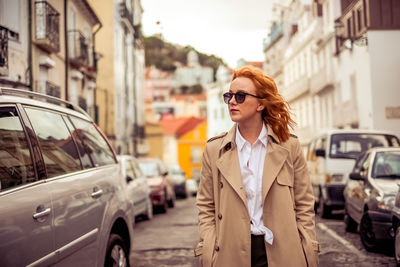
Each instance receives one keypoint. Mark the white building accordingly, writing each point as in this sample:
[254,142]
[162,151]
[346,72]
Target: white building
[193,73]
[218,119]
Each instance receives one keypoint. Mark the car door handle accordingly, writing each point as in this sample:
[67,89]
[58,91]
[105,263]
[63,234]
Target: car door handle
[41,214]
[97,193]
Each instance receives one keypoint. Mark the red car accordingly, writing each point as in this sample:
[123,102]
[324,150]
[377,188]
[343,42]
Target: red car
[162,192]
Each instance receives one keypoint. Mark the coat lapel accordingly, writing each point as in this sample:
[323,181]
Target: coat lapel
[274,160]
[228,164]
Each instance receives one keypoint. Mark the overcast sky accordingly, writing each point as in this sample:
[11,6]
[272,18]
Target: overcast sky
[230,29]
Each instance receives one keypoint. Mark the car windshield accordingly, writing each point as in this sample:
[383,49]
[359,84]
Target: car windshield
[350,146]
[386,165]
[174,169]
[149,169]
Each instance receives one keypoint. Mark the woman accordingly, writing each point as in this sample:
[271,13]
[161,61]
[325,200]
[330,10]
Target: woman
[255,199]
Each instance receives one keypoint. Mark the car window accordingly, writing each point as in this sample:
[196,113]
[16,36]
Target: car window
[16,167]
[130,171]
[386,165]
[352,145]
[58,148]
[94,143]
[85,159]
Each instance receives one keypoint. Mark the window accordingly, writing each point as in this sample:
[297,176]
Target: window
[196,154]
[16,167]
[95,145]
[58,148]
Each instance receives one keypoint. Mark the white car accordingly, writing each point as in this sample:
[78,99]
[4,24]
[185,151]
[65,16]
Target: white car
[138,189]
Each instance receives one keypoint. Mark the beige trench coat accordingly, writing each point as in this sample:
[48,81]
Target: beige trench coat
[224,222]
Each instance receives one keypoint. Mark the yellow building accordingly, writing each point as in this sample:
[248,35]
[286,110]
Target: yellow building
[190,149]
[154,135]
[184,139]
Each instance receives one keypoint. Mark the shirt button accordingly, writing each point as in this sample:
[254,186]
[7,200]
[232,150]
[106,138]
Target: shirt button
[217,248]
[220,216]
[221,184]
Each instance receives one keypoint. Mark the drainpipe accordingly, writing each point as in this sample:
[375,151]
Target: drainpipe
[30,64]
[66,50]
[95,65]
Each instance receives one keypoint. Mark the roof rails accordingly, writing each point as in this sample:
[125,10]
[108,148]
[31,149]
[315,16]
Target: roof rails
[35,95]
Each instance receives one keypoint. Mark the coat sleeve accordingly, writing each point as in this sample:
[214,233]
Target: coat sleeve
[206,206]
[304,204]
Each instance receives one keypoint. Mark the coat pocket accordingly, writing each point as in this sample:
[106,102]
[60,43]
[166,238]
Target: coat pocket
[205,250]
[285,175]
[310,247]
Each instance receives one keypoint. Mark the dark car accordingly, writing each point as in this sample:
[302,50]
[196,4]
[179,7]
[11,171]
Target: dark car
[162,191]
[370,195]
[178,179]
[396,226]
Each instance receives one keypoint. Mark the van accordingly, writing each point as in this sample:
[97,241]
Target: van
[62,196]
[330,158]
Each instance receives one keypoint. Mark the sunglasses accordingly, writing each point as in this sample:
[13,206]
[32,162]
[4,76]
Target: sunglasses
[240,97]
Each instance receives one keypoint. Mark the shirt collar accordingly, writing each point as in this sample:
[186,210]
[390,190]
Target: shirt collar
[240,141]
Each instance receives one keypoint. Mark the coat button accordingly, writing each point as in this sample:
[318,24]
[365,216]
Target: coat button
[221,184]
[220,216]
[217,248]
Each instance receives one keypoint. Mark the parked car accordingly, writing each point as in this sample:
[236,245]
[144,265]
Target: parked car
[61,197]
[370,195]
[178,179]
[331,157]
[396,226]
[162,191]
[137,186]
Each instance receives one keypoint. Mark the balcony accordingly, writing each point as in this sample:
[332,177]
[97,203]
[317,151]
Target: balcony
[3,51]
[321,80]
[296,88]
[78,49]
[126,16]
[47,34]
[48,88]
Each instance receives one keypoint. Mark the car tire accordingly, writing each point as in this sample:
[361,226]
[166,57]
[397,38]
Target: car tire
[149,210]
[171,202]
[324,210]
[117,252]
[367,235]
[351,225]
[397,245]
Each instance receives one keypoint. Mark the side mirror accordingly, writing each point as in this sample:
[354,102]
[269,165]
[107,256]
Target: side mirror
[129,179]
[356,176]
[320,153]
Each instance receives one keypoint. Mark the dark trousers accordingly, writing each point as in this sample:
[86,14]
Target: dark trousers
[258,253]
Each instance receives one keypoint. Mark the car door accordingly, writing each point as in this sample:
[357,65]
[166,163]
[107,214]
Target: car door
[26,232]
[358,188]
[76,187]
[144,189]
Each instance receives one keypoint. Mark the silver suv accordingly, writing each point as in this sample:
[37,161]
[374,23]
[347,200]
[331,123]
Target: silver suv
[60,187]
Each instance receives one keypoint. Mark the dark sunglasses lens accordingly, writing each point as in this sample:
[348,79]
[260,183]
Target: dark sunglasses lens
[240,97]
[227,97]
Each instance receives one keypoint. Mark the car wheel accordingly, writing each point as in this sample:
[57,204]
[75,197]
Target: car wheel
[149,210]
[351,225]
[171,201]
[117,252]
[366,233]
[397,245]
[323,210]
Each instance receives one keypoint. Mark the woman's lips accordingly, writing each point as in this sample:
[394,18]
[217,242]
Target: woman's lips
[234,110]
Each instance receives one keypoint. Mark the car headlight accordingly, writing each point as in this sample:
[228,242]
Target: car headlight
[386,202]
[333,178]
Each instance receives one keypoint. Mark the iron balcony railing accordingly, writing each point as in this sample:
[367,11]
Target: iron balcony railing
[3,51]
[47,33]
[78,49]
[48,88]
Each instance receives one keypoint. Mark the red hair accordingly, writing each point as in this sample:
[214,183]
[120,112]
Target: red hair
[276,112]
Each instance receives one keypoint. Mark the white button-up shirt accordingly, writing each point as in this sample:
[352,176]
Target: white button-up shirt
[251,160]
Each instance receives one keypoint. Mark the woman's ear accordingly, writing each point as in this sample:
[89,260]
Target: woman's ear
[260,107]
